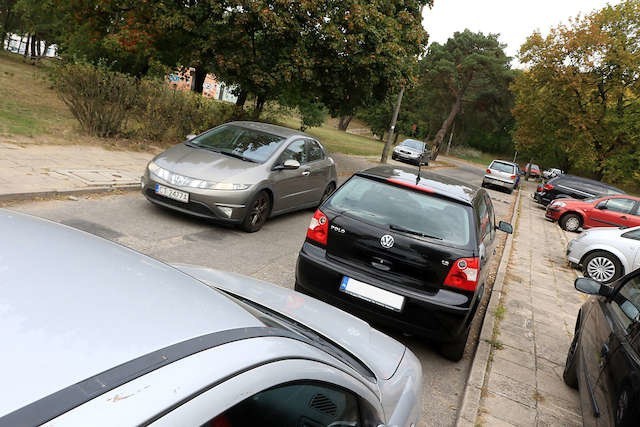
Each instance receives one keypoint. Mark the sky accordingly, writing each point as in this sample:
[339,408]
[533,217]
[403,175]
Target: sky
[513,20]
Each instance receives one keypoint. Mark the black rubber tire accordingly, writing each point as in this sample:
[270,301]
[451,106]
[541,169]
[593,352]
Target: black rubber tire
[454,350]
[483,185]
[616,263]
[331,187]
[258,212]
[567,224]
[570,373]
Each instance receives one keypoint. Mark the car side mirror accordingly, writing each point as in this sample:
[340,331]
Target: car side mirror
[591,287]
[191,136]
[288,164]
[601,206]
[505,226]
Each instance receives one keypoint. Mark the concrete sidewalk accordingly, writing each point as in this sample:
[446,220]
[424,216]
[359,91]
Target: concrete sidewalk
[516,376]
[44,170]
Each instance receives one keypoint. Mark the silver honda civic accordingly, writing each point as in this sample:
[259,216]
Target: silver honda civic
[96,334]
[241,173]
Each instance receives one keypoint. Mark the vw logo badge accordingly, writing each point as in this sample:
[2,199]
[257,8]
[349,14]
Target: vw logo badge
[386,241]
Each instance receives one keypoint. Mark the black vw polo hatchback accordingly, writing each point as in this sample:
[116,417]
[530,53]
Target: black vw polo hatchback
[404,249]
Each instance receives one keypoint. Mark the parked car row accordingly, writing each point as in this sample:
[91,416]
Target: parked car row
[392,245]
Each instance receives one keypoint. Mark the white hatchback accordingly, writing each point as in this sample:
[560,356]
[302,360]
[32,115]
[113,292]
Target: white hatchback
[502,174]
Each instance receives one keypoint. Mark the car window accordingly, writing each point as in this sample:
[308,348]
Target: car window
[412,143]
[295,151]
[237,141]
[620,205]
[502,167]
[400,209]
[314,151]
[626,302]
[635,234]
[293,405]
[492,217]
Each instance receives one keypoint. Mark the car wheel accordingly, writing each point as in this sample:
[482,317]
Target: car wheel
[570,373]
[483,185]
[258,212]
[602,266]
[327,192]
[454,350]
[570,222]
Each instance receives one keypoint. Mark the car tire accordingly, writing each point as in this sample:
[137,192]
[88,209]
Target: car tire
[602,266]
[331,187]
[257,213]
[483,185]
[454,350]
[570,373]
[570,222]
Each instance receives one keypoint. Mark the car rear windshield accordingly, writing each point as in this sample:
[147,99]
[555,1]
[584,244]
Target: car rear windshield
[236,141]
[404,210]
[502,167]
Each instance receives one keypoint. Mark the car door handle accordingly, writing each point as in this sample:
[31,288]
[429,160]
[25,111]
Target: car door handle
[306,172]
[623,217]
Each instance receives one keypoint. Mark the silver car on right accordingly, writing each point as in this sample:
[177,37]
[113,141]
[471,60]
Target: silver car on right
[606,254]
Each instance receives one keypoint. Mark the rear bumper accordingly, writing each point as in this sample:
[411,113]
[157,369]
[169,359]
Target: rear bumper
[542,198]
[442,315]
[490,180]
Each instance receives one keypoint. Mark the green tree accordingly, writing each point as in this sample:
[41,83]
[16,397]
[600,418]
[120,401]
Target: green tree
[8,19]
[579,101]
[464,70]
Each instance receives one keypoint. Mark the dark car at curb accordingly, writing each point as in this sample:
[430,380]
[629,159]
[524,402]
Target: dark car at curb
[603,361]
[404,250]
[571,186]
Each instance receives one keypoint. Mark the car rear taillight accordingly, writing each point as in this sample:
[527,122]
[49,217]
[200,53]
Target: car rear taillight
[513,177]
[548,186]
[318,228]
[463,274]
[488,170]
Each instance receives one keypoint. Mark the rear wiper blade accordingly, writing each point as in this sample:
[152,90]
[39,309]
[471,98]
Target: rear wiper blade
[410,231]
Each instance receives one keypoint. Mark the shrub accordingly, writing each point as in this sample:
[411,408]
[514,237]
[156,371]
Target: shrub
[100,99]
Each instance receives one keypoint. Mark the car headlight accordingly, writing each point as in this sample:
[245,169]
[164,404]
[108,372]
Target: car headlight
[230,186]
[185,181]
[558,204]
[158,171]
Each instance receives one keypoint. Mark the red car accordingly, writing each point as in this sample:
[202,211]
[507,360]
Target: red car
[534,170]
[608,211]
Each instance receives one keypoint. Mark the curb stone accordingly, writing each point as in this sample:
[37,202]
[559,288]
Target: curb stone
[470,406]
[14,197]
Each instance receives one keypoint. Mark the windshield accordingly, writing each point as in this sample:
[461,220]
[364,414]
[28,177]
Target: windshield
[246,144]
[404,210]
[412,143]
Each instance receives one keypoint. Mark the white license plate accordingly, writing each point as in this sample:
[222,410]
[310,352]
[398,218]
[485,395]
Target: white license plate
[171,193]
[372,294]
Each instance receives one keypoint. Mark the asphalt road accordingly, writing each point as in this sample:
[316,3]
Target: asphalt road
[268,255]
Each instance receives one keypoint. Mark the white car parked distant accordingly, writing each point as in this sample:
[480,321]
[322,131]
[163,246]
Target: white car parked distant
[606,254]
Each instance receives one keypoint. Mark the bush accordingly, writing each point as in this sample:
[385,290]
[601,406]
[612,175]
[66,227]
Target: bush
[100,99]
[165,114]
[108,103]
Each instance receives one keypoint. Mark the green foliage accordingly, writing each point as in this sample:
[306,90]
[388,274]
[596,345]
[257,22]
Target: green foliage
[99,98]
[577,105]
[108,103]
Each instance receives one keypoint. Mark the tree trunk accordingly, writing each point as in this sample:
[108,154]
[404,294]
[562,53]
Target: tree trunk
[238,111]
[439,138]
[343,124]
[26,46]
[392,127]
[260,100]
[197,79]
[3,36]
[34,40]
[39,48]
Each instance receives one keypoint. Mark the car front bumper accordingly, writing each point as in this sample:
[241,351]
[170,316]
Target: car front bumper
[429,314]
[552,214]
[412,158]
[217,205]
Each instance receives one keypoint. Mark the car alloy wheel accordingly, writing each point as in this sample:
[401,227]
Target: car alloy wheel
[603,267]
[258,212]
[570,222]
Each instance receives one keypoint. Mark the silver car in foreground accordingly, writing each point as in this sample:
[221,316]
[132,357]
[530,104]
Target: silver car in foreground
[97,334]
[241,173]
[606,254]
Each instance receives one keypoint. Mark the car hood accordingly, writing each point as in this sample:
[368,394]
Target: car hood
[204,164]
[407,149]
[381,353]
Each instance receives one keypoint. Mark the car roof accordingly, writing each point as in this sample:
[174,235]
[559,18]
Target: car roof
[69,308]
[585,180]
[429,182]
[269,128]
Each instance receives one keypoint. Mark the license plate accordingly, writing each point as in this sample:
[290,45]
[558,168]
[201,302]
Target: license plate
[171,193]
[372,294]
